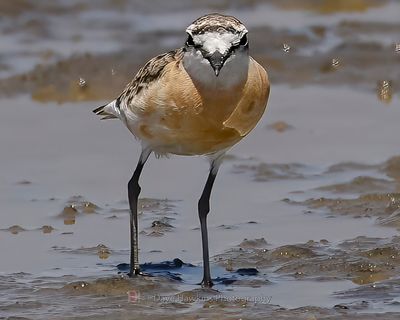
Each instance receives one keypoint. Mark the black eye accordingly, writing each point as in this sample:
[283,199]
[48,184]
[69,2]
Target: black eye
[189,41]
[243,41]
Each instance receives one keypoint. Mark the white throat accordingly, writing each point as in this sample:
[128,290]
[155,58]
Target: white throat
[233,73]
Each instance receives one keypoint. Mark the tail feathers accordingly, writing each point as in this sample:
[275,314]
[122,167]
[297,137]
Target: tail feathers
[102,111]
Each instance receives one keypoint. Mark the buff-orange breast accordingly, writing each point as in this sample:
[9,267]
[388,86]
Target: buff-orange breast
[179,116]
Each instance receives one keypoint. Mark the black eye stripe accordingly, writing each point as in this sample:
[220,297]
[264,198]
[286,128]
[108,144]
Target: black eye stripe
[243,40]
[242,43]
[190,41]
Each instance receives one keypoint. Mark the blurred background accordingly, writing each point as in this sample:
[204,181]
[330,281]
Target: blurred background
[309,201]
[48,46]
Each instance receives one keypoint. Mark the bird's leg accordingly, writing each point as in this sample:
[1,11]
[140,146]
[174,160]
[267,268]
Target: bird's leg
[133,195]
[204,209]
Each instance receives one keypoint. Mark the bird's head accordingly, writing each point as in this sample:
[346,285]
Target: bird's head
[217,38]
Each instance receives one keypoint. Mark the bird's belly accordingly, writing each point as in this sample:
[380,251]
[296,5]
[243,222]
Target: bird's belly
[193,128]
[185,132]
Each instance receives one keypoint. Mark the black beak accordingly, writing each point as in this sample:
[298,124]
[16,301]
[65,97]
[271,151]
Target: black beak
[217,60]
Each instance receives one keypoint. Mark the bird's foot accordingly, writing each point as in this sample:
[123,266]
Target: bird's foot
[135,272]
[207,283]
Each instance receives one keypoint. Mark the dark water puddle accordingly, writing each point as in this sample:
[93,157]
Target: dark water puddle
[188,273]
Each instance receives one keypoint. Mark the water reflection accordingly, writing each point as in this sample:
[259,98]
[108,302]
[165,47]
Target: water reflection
[286,48]
[384,91]
[103,252]
[82,82]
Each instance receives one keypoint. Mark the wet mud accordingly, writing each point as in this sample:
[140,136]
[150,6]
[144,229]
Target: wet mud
[370,197]
[265,172]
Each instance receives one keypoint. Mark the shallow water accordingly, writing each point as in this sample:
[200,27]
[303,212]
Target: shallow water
[67,152]
[329,247]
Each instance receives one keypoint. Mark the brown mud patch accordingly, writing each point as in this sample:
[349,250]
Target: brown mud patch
[47,229]
[75,206]
[376,197]
[361,260]
[280,126]
[157,206]
[383,206]
[350,166]
[159,227]
[63,81]
[118,286]
[362,184]
[253,243]
[266,172]
[392,168]
[101,250]
[329,7]
[15,229]
[14,8]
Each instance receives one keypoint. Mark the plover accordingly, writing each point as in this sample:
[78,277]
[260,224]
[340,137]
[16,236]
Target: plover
[200,99]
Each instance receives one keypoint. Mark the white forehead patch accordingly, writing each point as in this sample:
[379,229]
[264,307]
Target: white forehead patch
[212,41]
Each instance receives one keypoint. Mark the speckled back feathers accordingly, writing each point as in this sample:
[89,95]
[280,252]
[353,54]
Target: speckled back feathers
[149,73]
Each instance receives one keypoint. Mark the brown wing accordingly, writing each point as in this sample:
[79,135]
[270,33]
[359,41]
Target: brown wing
[149,73]
[253,103]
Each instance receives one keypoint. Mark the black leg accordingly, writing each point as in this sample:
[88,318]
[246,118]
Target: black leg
[204,209]
[133,195]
